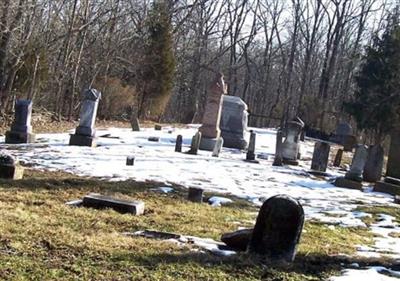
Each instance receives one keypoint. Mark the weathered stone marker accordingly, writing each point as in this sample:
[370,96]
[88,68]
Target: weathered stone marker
[320,156]
[98,201]
[194,146]
[391,183]
[195,194]
[135,120]
[153,139]
[353,178]
[157,127]
[278,229]
[374,165]
[250,155]
[10,168]
[238,240]
[178,143]
[21,129]
[291,146]
[338,158]
[130,160]
[218,147]
[85,132]
[278,161]
[209,129]
[234,119]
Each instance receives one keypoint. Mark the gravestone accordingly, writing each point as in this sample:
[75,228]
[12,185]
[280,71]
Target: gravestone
[85,132]
[130,160]
[21,129]
[209,129]
[278,229]
[135,120]
[10,168]
[178,143]
[344,136]
[374,165]
[278,161]
[233,124]
[391,182]
[157,127]
[153,139]
[320,156]
[195,195]
[353,177]
[218,147]
[338,158]
[291,146]
[98,201]
[250,155]
[194,146]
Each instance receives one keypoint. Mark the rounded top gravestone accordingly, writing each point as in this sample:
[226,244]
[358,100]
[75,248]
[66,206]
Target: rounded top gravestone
[6,159]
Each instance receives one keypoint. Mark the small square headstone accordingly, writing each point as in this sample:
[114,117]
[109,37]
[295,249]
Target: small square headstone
[10,168]
[130,160]
[157,127]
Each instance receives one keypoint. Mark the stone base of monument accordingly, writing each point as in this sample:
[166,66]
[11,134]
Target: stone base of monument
[318,173]
[207,143]
[19,137]
[290,162]
[11,172]
[98,201]
[346,183]
[386,187]
[233,141]
[81,140]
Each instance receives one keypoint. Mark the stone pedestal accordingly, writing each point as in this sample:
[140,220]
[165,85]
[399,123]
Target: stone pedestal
[346,183]
[210,131]
[21,129]
[387,187]
[12,172]
[233,124]
[85,132]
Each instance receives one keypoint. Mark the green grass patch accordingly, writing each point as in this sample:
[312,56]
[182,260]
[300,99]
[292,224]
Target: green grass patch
[43,239]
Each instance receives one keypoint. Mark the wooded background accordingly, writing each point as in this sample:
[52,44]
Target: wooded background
[282,57]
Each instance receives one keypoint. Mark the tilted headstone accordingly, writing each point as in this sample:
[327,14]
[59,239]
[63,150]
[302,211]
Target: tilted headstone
[218,147]
[250,155]
[374,165]
[209,129]
[291,146]
[338,158]
[357,164]
[98,201]
[278,229]
[194,146]
[320,156]
[21,129]
[10,168]
[135,120]
[178,143]
[234,119]
[278,161]
[85,132]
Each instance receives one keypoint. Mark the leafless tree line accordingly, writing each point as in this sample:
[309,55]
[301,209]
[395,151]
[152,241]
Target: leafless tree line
[283,57]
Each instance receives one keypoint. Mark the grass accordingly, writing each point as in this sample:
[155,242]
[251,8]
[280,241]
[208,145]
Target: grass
[43,239]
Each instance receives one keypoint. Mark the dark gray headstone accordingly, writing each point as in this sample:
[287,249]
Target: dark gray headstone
[178,143]
[393,167]
[278,229]
[194,146]
[278,149]
[237,240]
[98,201]
[357,164]
[21,129]
[157,127]
[320,156]
[135,121]
[338,158]
[344,129]
[374,165]
[195,195]
[250,155]
[233,124]
[130,160]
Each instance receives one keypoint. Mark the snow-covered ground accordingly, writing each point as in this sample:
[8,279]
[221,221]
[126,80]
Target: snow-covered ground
[228,174]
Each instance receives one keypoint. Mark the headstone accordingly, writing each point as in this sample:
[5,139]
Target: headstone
[157,127]
[291,146]
[397,199]
[374,165]
[21,129]
[320,156]
[391,183]
[338,158]
[233,124]
[135,120]
[195,195]
[194,146]
[209,129]
[250,155]
[98,201]
[278,229]
[85,132]
[344,136]
[237,240]
[130,160]
[10,168]
[178,143]
[278,161]
[153,139]
[218,147]
[353,178]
